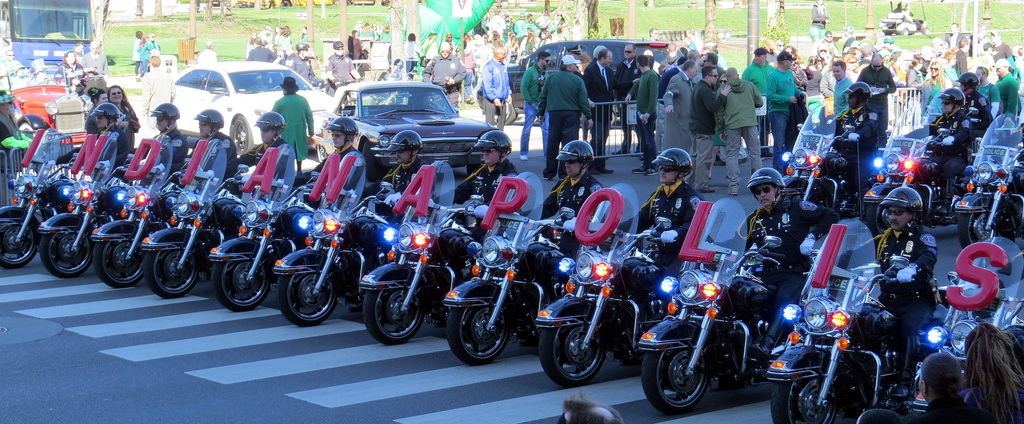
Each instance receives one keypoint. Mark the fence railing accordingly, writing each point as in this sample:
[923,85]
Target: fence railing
[614,123]
[905,111]
[11,169]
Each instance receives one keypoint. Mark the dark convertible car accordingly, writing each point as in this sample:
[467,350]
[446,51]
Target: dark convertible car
[382,109]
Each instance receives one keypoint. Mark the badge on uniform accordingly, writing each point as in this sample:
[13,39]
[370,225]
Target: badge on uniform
[808,206]
[982,101]
[785,218]
[580,193]
[679,203]
[928,240]
[910,247]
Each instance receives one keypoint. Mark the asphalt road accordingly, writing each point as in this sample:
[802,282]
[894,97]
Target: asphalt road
[76,351]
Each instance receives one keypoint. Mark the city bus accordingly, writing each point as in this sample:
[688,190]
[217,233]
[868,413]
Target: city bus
[45,29]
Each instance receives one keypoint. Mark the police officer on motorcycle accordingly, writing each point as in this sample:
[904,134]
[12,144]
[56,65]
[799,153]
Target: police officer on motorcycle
[106,116]
[496,147]
[343,133]
[798,224]
[673,199]
[908,294]
[952,132]
[406,146]
[969,82]
[167,116]
[210,124]
[578,184]
[862,134]
[270,124]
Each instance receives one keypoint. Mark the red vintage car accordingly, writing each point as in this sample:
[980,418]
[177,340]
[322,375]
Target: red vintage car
[50,106]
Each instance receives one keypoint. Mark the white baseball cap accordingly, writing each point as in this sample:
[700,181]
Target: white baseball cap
[570,60]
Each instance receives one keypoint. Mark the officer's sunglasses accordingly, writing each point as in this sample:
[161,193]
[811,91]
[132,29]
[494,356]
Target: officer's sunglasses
[947,103]
[489,150]
[895,211]
[337,134]
[765,189]
[572,162]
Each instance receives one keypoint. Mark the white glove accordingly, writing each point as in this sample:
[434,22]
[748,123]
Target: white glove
[907,274]
[570,225]
[480,211]
[807,246]
[669,236]
[948,141]
[853,137]
[392,198]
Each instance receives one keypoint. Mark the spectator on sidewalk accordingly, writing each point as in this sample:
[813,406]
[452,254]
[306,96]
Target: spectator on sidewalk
[678,106]
[447,72]
[740,127]
[707,100]
[355,46]
[819,18]
[599,81]
[208,57]
[782,93]
[261,53]
[646,93]
[882,85]
[298,118]
[157,88]
[1009,99]
[496,92]
[842,82]
[95,63]
[564,98]
[670,70]
[140,40]
[533,81]
[626,74]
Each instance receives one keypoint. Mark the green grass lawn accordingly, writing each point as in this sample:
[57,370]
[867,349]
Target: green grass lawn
[230,39]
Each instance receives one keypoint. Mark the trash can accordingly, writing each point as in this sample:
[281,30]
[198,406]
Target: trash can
[617,25]
[187,50]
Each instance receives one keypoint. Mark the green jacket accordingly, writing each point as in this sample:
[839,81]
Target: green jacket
[706,101]
[881,78]
[564,90]
[1009,100]
[781,86]
[530,86]
[645,92]
[740,104]
[298,118]
[758,75]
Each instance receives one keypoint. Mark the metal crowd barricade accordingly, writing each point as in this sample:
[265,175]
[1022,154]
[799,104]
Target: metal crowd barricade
[11,169]
[615,124]
[905,111]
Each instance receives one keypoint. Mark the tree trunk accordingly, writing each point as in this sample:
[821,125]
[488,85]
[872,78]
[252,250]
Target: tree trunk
[592,16]
[209,11]
[585,11]
[412,17]
[158,9]
[100,14]
[228,17]
[256,4]
[138,9]
[710,21]
[547,6]
[397,35]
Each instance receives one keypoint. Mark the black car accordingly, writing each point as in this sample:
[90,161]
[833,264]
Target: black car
[557,50]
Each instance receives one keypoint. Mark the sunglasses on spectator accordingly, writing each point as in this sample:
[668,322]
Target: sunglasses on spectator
[627,51]
[765,189]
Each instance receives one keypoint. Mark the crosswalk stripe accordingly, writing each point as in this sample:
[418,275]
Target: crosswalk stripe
[217,342]
[402,385]
[752,412]
[168,322]
[337,358]
[27,278]
[534,407]
[102,306]
[53,292]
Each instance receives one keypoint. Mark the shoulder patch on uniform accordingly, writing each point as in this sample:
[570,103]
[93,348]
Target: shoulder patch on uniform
[928,240]
[983,101]
[694,201]
[808,206]
[595,187]
[177,143]
[873,116]
[966,123]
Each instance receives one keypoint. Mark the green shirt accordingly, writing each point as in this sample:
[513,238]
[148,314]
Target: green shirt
[530,86]
[758,75]
[564,90]
[781,86]
[298,118]
[1009,100]
[645,92]
[881,78]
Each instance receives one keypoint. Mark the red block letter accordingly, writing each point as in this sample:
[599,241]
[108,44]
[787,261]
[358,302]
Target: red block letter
[149,148]
[501,203]
[89,154]
[418,192]
[828,256]
[985,278]
[583,233]
[264,173]
[690,252]
[193,165]
[27,159]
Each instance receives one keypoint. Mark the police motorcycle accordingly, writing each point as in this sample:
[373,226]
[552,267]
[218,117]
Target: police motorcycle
[204,213]
[717,312]
[516,272]
[812,173]
[337,252]
[429,257]
[96,198]
[274,222]
[116,255]
[42,191]
[841,356]
[994,203]
[611,294]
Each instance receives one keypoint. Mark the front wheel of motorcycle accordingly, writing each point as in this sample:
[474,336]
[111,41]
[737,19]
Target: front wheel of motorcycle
[469,337]
[564,358]
[971,228]
[235,290]
[666,385]
[798,402]
[302,304]
[61,257]
[165,277]
[385,318]
[114,266]
[16,253]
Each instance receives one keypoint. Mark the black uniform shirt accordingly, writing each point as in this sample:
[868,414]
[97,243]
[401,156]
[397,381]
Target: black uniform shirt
[401,175]
[792,221]
[917,246]
[570,195]
[866,124]
[483,182]
[678,206]
[175,141]
[984,116]
[959,128]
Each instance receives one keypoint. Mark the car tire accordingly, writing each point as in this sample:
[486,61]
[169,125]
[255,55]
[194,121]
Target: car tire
[241,135]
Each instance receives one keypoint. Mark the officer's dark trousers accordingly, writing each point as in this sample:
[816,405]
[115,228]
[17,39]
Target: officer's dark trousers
[787,284]
[913,315]
[563,127]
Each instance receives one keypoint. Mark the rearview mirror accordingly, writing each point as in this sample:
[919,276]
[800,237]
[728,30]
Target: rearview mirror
[662,223]
[218,91]
[772,242]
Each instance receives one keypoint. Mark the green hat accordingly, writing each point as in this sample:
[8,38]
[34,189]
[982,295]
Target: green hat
[6,97]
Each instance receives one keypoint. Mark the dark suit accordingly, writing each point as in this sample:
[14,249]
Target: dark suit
[599,90]
[624,76]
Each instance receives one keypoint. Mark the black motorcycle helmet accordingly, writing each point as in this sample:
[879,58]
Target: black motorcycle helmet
[166,110]
[765,176]
[953,95]
[577,150]
[675,159]
[969,81]
[406,140]
[903,197]
[495,139]
[107,110]
[212,118]
[344,125]
[271,120]
[859,89]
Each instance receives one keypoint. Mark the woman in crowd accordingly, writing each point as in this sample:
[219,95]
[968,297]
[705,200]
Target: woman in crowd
[73,73]
[130,125]
[993,374]
[935,81]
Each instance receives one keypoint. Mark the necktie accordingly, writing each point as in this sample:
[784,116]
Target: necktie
[604,77]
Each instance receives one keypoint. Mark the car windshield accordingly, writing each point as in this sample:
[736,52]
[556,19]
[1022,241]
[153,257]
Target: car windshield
[405,100]
[248,82]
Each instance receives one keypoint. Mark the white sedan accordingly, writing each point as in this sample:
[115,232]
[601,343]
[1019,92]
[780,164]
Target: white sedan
[241,91]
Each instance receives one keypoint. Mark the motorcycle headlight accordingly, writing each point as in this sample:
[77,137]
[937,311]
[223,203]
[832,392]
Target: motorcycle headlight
[791,312]
[892,163]
[585,264]
[690,284]
[303,222]
[984,173]
[936,335]
[800,157]
[82,192]
[324,223]
[24,185]
[566,265]
[958,336]
[390,235]
[818,314]
[119,195]
[66,190]
[412,236]
[256,213]
[668,284]
[496,252]
[187,205]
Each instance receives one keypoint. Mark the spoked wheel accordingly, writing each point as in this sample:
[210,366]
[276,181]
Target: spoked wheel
[235,290]
[668,388]
[165,277]
[302,304]
[385,319]
[61,257]
[564,358]
[114,266]
[798,402]
[16,253]
[971,228]
[471,340]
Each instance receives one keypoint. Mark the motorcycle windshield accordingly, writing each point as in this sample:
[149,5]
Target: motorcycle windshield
[627,223]
[534,205]
[723,236]
[154,180]
[999,147]
[1006,307]
[105,165]
[444,184]
[284,174]
[210,172]
[855,265]
[898,151]
[519,227]
[45,157]
[815,139]
[356,179]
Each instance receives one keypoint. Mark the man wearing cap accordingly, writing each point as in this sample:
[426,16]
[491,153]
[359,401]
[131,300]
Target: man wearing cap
[10,137]
[1009,100]
[340,69]
[564,98]
[757,73]
[304,63]
[781,93]
[582,58]
[298,116]
[496,92]
[447,72]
